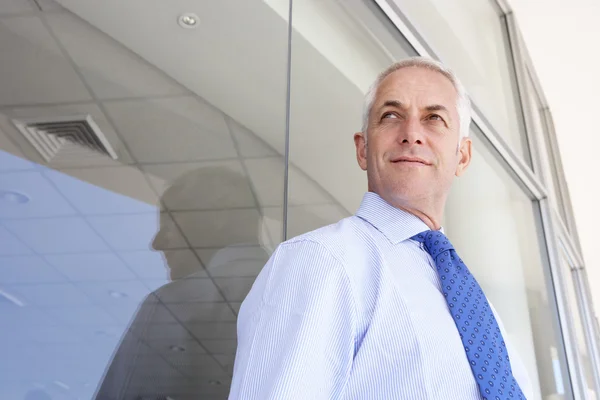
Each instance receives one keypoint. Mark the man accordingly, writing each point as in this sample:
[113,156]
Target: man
[161,355]
[379,305]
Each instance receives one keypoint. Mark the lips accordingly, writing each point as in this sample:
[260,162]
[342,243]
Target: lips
[410,160]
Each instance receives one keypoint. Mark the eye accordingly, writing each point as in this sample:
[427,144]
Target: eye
[435,117]
[389,115]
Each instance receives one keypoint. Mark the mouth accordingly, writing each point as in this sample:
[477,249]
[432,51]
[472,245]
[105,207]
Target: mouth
[410,160]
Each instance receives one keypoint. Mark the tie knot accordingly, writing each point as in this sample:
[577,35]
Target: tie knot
[435,242]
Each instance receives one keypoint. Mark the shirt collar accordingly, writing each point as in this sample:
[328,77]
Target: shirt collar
[397,225]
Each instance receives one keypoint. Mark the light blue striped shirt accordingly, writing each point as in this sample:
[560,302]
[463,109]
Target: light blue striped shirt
[353,310]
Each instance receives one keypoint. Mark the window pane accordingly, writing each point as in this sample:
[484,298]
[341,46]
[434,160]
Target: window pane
[338,50]
[325,183]
[549,170]
[129,239]
[492,224]
[583,353]
[471,37]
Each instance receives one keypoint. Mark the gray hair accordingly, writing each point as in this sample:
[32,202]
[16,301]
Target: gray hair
[463,104]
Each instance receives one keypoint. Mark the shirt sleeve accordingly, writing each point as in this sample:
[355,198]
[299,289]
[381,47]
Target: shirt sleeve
[296,328]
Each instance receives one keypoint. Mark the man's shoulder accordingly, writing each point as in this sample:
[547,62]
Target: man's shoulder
[340,239]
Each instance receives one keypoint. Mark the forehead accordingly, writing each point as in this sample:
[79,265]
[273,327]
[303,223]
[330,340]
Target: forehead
[417,85]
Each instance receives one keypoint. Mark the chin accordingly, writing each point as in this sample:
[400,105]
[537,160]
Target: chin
[407,192]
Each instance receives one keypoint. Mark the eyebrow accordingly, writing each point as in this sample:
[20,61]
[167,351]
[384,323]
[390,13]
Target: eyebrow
[398,104]
[436,107]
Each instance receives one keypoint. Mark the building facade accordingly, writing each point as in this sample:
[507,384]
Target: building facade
[154,153]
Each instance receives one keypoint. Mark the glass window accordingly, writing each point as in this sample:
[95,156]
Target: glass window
[583,353]
[326,99]
[494,226]
[539,127]
[338,50]
[472,39]
[138,163]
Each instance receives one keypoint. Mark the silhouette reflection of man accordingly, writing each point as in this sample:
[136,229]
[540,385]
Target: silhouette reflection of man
[181,342]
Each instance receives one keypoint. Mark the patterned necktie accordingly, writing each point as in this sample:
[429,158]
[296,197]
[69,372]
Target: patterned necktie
[474,319]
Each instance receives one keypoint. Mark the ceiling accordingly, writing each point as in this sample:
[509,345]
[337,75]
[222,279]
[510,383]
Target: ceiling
[562,39]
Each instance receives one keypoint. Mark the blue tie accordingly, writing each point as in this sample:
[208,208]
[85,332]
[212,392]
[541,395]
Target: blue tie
[474,319]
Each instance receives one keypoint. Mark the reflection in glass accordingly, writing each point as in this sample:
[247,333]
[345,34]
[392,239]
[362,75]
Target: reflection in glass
[549,171]
[494,221]
[473,41]
[583,352]
[332,69]
[122,278]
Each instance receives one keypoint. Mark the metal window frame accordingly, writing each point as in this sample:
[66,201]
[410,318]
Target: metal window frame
[583,298]
[531,181]
[566,232]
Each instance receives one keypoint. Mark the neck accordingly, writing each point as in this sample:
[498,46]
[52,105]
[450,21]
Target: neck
[430,213]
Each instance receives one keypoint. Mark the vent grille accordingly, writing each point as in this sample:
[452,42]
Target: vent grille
[66,139]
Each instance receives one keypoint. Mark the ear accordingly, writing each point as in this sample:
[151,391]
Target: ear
[465,150]
[361,149]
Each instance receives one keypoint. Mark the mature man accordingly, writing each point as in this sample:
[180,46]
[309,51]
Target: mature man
[379,305]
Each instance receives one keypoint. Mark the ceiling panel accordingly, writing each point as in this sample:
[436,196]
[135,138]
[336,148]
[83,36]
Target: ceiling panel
[231,261]
[16,6]
[42,198]
[49,5]
[189,290]
[115,292]
[50,294]
[199,312]
[234,289]
[77,315]
[36,71]
[57,235]
[65,110]
[132,231]
[11,157]
[207,59]
[214,330]
[111,70]
[153,313]
[219,228]
[188,183]
[10,245]
[272,226]
[53,335]
[236,306]
[220,346]
[203,363]
[27,269]
[267,178]
[123,312]
[183,263]
[106,190]
[91,267]
[302,219]
[13,160]
[172,129]
[226,361]
[153,265]
[190,346]
[18,318]
[248,143]
[174,332]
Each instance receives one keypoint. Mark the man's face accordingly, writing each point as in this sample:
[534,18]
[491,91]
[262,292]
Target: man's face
[410,154]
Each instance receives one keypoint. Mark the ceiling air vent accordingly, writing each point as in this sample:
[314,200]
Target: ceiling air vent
[66,138]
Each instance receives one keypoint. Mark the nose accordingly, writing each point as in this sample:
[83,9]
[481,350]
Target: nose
[411,131]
